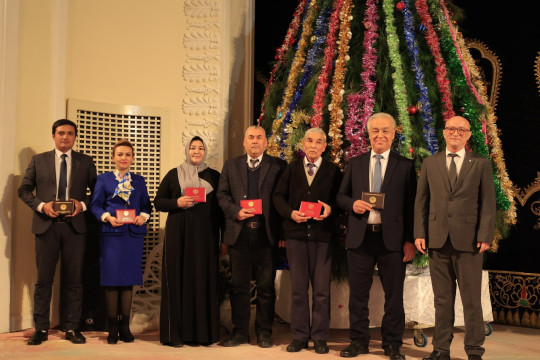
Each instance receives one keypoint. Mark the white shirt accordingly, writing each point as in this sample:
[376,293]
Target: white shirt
[57,165]
[258,158]
[375,215]
[458,159]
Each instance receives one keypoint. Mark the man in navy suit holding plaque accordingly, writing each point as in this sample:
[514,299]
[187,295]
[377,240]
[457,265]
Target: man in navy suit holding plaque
[54,187]
[304,197]
[378,192]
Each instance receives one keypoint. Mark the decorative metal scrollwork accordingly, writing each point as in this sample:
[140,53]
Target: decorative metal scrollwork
[496,67]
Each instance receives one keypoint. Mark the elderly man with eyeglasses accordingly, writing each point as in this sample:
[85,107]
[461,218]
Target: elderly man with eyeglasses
[454,217]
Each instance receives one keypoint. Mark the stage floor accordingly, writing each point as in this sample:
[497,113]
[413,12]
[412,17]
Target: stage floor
[506,342]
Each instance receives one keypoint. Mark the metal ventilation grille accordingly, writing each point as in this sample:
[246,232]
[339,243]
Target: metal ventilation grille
[100,126]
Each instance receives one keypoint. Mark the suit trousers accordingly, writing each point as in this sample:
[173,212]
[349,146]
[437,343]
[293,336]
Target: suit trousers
[252,256]
[447,267]
[391,268]
[62,239]
[310,261]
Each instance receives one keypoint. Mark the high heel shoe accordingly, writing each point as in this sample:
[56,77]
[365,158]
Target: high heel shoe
[125,334]
[112,338]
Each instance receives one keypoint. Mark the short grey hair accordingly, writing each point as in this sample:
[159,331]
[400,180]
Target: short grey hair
[315,130]
[381,115]
[255,127]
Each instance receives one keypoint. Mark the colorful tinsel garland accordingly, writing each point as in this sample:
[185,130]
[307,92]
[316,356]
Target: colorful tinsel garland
[326,73]
[318,38]
[400,92]
[363,101]
[337,90]
[282,51]
[423,97]
[274,144]
[440,67]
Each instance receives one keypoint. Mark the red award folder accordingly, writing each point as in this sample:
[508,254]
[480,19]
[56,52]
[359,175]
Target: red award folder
[126,216]
[252,204]
[310,208]
[198,193]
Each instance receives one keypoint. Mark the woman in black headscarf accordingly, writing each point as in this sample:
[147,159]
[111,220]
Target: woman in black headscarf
[189,288]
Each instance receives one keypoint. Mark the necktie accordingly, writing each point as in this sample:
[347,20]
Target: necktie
[253,163]
[377,177]
[452,171]
[310,168]
[62,182]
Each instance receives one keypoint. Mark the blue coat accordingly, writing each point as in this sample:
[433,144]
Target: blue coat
[121,247]
[103,201]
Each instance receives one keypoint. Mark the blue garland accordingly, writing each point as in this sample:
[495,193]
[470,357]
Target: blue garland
[425,111]
[312,58]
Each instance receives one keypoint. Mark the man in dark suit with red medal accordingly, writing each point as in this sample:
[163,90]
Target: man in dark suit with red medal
[65,175]
[250,234]
[378,191]
[309,183]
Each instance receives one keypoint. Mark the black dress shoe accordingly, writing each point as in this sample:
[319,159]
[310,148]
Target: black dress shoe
[112,338]
[321,347]
[175,344]
[354,349]
[264,341]
[38,337]
[475,357]
[437,355]
[393,352]
[126,336]
[235,340]
[123,333]
[297,345]
[75,337]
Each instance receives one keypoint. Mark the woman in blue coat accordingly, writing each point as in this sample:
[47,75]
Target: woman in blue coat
[121,240]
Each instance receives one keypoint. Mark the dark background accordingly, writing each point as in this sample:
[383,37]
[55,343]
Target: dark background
[512,32]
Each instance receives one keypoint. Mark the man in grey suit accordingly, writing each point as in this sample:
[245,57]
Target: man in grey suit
[60,174]
[251,237]
[455,217]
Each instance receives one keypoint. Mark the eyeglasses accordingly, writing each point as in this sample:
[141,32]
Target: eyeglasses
[460,130]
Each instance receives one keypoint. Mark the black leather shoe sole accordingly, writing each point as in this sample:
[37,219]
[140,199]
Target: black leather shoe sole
[264,343]
[321,347]
[297,345]
[37,338]
[235,341]
[351,351]
[75,337]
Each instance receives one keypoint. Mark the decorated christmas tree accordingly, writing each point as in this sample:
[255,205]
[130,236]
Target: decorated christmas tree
[341,61]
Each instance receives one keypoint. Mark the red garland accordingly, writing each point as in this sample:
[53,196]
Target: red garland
[324,77]
[440,69]
[290,38]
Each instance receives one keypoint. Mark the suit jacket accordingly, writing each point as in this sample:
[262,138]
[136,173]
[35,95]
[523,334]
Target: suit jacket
[399,187]
[233,187]
[466,213]
[293,188]
[41,177]
[103,201]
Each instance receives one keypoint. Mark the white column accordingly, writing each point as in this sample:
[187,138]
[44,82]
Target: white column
[9,35]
